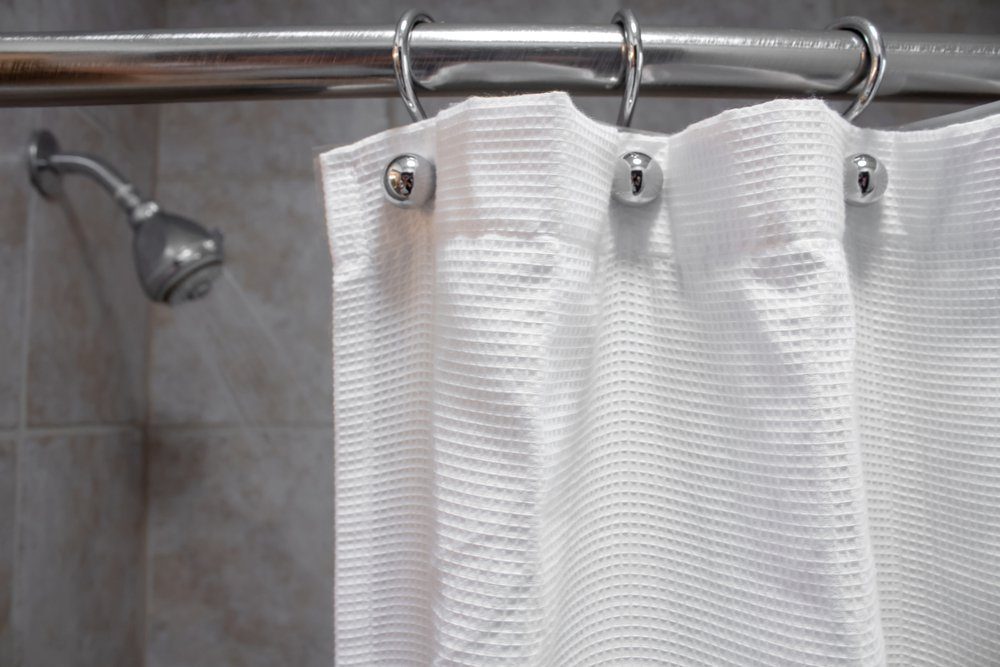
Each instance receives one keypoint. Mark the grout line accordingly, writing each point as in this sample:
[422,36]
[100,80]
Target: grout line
[232,427]
[81,429]
[17,431]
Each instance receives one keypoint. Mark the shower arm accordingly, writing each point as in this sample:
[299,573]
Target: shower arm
[123,192]
[48,164]
[233,64]
[177,259]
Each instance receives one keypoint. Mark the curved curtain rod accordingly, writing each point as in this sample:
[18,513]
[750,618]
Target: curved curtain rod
[172,66]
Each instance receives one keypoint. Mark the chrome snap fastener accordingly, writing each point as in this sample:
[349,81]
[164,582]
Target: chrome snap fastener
[865,180]
[409,180]
[638,180]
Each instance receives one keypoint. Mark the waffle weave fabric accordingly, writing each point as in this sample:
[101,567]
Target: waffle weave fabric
[744,425]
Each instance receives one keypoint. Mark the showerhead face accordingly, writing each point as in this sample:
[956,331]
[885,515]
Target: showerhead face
[177,259]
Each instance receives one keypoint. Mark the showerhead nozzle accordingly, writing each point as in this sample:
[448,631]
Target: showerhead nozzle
[177,259]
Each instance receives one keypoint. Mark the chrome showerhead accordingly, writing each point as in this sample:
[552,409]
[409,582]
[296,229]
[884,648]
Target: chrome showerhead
[177,259]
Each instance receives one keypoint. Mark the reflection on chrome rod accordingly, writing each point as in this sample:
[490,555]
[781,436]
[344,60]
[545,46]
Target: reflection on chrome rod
[159,66]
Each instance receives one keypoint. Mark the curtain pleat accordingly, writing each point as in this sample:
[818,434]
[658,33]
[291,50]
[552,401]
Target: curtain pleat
[745,424]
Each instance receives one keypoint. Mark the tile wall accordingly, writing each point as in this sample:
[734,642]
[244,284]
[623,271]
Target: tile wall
[73,348]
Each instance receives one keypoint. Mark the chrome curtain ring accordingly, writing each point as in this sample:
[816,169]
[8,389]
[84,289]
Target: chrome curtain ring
[401,60]
[632,36]
[874,55]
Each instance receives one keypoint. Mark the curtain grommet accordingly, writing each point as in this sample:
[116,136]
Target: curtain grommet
[638,179]
[409,180]
[865,180]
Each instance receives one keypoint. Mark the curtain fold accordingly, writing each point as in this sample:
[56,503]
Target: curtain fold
[745,424]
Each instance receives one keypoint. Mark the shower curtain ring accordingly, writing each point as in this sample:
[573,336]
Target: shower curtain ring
[632,36]
[874,55]
[401,60]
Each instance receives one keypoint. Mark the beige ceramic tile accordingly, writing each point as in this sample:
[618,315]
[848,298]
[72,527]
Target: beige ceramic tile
[98,15]
[240,548]
[248,169]
[89,315]
[134,132]
[187,381]
[18,16]
[79,564]
[15,194]
[80,560]
[248,375]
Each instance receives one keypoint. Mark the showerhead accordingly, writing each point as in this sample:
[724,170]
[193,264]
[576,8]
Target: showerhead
[176,258]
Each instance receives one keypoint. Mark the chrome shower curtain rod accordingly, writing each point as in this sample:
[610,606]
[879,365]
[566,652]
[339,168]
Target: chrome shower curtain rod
[172,66]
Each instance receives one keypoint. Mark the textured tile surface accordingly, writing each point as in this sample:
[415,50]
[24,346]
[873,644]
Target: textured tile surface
[240,548]
[15,196]
[80,581]
[8,486]
[96,14]
[189,384]
[89,315]
[218,361]
[19,15]
[15,125]
[267,329]
[76,574]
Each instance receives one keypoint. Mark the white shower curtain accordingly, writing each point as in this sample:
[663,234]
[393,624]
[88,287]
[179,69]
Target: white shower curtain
[746,424]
